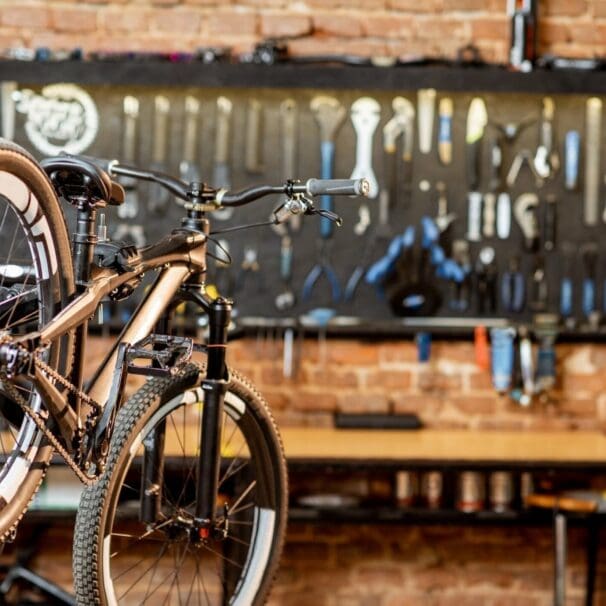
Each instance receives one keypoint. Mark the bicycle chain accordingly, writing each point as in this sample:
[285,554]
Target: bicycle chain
[40,422]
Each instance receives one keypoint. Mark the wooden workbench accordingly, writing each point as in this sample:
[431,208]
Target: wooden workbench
[426,447]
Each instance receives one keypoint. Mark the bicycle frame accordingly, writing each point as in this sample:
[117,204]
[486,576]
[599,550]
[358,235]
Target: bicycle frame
[181,260]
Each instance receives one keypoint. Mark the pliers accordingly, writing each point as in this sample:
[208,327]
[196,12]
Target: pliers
[323,266]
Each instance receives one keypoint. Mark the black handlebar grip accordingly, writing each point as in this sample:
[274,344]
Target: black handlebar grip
[336,187]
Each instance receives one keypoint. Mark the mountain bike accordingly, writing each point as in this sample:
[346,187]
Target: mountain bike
[185,482]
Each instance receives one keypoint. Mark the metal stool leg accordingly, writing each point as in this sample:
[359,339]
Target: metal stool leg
[593,541]
[559,533]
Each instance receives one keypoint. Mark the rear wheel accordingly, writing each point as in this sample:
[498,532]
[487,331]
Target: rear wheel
[36,281]
[118,559]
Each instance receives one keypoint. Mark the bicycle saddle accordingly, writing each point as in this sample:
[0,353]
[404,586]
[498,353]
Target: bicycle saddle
[74,177]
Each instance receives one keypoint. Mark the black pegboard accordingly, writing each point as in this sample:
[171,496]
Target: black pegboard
[257,299]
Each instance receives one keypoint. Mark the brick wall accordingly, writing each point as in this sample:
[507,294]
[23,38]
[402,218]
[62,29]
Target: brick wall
[362,565]
[448,392]
[365,27]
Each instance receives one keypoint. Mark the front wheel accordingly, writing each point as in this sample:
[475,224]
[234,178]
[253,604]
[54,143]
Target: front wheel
[123,557]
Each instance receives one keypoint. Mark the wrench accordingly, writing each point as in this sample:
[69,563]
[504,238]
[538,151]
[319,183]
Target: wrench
[524,210]
[593,127]
[252,144]
[365,115]
[221,172]
[329,114]
[188,169]
[129,209]
[159,197]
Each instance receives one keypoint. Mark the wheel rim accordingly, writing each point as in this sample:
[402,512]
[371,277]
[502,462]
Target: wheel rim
[27,263]
[161,565]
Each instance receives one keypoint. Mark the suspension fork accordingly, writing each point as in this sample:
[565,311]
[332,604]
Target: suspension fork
[214,387]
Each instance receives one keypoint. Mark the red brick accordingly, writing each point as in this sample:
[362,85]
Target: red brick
[426,406]
[401,351]
[389,379]
[364,402]
[568,8]
[30,16]
[232,22]
[344,24]
[352,353]
[125,19]
[476,404]
[176,20]
[335,378]
[285,24]
[388,26]
[414,6]
[491,28]
[464,5]
[554,31]
[304,400]
[74,19]
[599,9]
[480,381]
[380,575]
[432,380]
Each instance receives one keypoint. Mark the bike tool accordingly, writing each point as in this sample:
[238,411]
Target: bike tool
[567,284]
[253,160]
[130,107]
[477,119]
[286,298]
[589,258]
[426,107]
[502,357]
[401,124]
[572,147]
[159,197]
[593,138]
[189,170]
[221,167]
[523,385]
[249,267]
[546,159]
[513,287]
[445,111]
[525,212]
[546,331]
[486,281]
[539,287]
[365,116]
[550,222]
[460,291]
[329,115]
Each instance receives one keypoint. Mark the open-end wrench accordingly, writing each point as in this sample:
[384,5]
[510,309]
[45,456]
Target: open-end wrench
[445,112]
[285,299]
[159,197]
[130,207]
[188,167]
[252,144]
[329,115]
[221,169]
[288,129]
[426,99]
[365,116]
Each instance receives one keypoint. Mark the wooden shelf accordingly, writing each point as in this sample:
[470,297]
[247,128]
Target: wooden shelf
[292,75]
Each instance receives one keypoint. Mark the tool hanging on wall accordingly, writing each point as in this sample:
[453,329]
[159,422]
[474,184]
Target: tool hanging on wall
[130,108]
[253,155]
[7,98]
[445,112]
[426,107]
[546,331]
[502,356]
[513,287]
[289,113]
[547,159]
[522,50]
[567,282]
[525,212]
[539,292]
[460,291]
[550,222]
[589,259]
[159,197]
[503,215]
[486,281]
[477,117]
[572,156]
[221,168]
[365,116]
[522,158]
[286,298]
[329,115]
[593,138]
[401,124]
[523,388]
[189,171]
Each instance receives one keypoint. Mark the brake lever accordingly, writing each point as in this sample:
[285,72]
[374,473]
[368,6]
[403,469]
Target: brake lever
[301,205]
[325,214]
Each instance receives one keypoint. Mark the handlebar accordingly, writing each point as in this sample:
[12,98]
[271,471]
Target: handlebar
[223,198]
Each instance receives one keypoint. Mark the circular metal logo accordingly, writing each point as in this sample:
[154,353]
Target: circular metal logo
[62,118]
